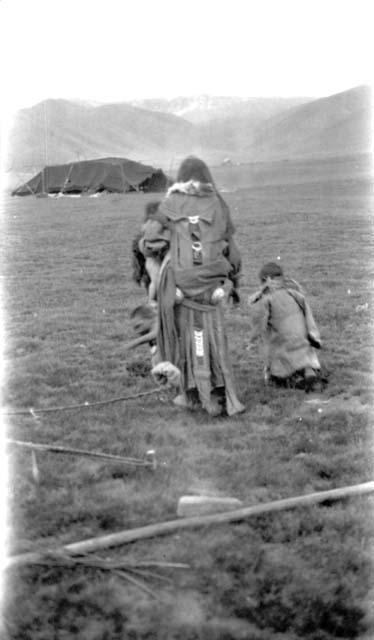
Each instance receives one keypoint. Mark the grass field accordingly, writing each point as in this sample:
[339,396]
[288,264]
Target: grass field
[291,575]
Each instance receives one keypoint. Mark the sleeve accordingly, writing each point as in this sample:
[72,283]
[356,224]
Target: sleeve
[310,324]
[312,329]
[232,254]
[259,313]
[231,251]
[230,227]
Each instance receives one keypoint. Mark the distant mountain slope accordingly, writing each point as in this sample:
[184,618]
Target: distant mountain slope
[57,131]
[203,109]
[338,124]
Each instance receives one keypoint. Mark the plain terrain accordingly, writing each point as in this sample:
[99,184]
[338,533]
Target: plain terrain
[68,295]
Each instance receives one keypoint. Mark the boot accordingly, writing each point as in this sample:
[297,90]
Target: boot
[310,378]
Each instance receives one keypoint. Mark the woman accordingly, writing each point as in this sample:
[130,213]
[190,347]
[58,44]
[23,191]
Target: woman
[201,257]
[281,315]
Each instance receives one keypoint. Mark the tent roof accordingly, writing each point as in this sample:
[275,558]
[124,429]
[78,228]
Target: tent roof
[104,174]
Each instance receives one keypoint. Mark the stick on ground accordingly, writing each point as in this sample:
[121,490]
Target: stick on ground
[81,452]
[163,528]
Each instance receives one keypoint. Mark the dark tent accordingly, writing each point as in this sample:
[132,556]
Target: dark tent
[114,175]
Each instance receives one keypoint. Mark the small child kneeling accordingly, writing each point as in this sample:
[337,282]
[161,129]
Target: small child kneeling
[281,315]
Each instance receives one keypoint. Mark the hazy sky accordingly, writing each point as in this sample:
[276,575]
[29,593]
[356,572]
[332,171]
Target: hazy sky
[115,50]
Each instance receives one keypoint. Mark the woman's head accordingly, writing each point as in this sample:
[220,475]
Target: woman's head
[193,168]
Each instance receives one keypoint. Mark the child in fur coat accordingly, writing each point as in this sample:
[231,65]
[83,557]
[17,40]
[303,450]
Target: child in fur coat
[282,317]
[149,249]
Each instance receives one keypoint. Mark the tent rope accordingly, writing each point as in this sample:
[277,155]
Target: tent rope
[84,405]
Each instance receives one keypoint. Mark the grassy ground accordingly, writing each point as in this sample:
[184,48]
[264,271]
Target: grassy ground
[303,574]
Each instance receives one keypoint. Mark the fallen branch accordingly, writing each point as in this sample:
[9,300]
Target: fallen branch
[137,583]
[82,452]
[134,572]
[59,558]
[163,528]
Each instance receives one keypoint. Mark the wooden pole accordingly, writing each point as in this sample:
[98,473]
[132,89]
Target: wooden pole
[81,452]
[163,528]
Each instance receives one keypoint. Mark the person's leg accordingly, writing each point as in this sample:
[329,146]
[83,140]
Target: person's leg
[188,399]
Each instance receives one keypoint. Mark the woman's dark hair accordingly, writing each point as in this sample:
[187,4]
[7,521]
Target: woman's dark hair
[193,168]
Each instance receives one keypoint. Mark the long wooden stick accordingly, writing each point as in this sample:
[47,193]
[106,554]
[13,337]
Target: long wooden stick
[163,528]
[54,448]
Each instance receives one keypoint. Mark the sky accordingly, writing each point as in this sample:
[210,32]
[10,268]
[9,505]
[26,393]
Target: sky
[119,50]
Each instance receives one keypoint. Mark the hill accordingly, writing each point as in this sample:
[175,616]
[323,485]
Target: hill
[248,129]
[336,125]
[58,131]
[203,109]
[245,130]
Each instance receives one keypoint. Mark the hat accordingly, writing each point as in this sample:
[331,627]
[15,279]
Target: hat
[270,270]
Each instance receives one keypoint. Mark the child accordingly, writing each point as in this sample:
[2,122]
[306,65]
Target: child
[149,249]
[281,315]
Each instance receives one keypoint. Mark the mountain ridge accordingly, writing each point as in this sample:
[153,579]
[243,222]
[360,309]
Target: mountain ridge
[58,131]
